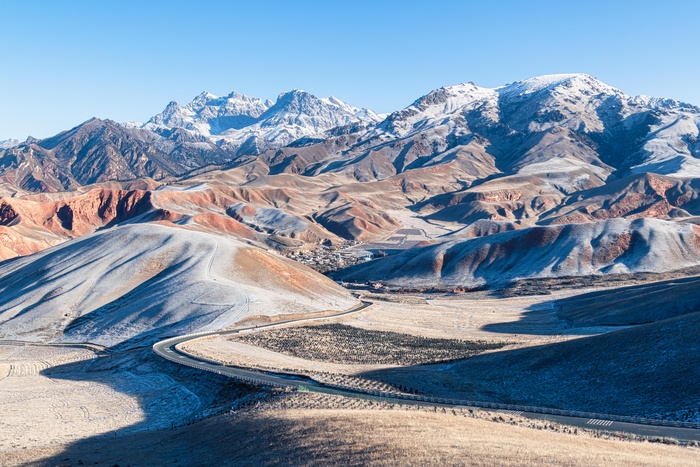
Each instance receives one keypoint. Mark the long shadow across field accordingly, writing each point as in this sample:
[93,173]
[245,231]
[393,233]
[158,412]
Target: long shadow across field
[538,319]
[157,386]
[585,314]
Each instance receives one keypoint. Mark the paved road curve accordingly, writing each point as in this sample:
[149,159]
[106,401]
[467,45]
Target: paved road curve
[645,427]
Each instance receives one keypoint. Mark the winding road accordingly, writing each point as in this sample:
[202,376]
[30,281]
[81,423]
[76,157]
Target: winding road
[639,426]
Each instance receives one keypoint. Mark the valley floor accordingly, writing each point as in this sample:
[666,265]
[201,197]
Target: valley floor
[518,322]
[48,397]
[67,406]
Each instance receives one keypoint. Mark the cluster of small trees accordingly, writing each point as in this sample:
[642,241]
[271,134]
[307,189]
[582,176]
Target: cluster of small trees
[339,343]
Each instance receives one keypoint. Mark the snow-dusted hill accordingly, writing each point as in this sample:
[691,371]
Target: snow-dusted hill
[147,281]
[606,247]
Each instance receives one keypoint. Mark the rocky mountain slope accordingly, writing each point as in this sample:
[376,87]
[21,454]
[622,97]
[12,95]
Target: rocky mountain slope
[552,124]
[99,151]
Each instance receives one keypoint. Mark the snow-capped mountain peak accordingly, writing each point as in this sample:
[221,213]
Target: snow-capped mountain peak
[204,97]
[209,114]
[455,97]
[550,121]
[9,143]
[564,121]
[250,125]
[540,83]
[300,107]
[547,124]
[573,86]
[441,105]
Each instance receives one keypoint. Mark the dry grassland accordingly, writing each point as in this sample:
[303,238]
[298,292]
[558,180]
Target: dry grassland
[530,319]
[463,319]
[360,437]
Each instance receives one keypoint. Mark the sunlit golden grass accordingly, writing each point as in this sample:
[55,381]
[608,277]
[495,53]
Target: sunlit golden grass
[368,437]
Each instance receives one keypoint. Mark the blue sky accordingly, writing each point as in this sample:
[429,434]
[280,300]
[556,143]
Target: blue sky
[66,61]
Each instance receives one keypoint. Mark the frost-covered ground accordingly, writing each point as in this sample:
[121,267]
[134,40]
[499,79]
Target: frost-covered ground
[142,282]
[47,397]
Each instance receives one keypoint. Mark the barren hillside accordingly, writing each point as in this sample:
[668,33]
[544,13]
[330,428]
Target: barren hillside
[608,247]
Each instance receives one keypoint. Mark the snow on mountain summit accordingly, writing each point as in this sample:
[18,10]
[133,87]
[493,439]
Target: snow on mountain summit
[566,124]
[576,102]
[9,143]
[312,114]
[209,114]
[533,104]
[550,123]
[538,83]
[251,125]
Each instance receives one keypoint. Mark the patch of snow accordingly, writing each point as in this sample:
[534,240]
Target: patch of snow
[9,143]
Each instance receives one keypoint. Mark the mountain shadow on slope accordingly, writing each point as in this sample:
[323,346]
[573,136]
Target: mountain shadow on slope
[645,370]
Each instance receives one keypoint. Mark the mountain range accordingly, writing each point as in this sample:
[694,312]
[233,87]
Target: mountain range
[466,160]
[207,131]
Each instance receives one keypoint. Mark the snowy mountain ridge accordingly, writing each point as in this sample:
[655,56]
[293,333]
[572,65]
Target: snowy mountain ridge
[642,133]
[252,124]
[573,125]
[9,143]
